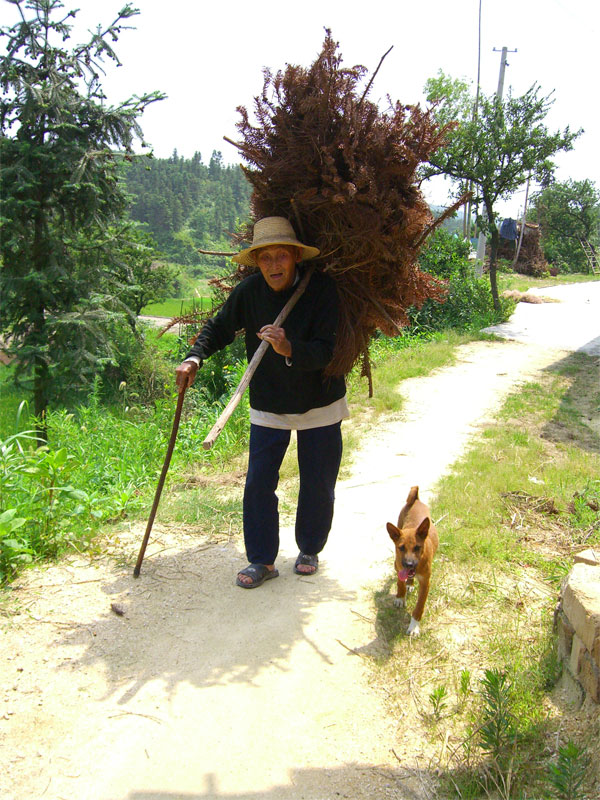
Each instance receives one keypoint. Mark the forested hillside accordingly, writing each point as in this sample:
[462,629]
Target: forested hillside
[186,204]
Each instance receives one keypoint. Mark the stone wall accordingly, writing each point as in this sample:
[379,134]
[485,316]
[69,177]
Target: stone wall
[577,619]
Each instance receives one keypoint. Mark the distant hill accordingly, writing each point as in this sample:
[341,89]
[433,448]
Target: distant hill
[186,204]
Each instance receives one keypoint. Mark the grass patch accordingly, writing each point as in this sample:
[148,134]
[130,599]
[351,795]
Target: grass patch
[178,306]
[10,401]
[513,511]
[513,280]
[396,360]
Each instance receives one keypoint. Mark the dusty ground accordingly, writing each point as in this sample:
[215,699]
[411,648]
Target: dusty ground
[181,686]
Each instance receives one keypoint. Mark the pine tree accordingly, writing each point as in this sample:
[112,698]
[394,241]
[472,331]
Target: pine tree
[60,151]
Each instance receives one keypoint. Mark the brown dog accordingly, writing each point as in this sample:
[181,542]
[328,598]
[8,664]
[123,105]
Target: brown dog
[416,541]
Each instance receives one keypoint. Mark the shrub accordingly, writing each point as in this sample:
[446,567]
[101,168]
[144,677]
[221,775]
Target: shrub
[469,304]
[444,254]
[140,363]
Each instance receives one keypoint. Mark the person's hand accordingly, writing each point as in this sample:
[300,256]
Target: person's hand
[276,338]
[185,374]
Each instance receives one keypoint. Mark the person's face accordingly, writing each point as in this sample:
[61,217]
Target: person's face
[277,264]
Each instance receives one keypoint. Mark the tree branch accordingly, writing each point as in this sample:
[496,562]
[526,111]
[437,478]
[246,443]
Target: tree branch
[214,252]
[360,102]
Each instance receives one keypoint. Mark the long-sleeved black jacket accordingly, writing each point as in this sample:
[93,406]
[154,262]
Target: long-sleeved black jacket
[310,327]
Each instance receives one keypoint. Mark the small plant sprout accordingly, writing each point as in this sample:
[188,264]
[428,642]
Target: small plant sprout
[567,774]
[498,731]
[465,683]
[437,698]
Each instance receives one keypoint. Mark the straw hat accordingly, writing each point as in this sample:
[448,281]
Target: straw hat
[273,230]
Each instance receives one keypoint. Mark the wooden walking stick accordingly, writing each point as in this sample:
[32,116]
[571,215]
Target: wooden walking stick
[254,362]
[161,482]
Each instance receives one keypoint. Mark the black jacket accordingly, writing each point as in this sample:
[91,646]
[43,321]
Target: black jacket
[310,327]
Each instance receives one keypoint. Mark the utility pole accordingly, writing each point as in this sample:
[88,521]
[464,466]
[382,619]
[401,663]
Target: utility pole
[518,250]
[503,65]
[468,210]
[481,242]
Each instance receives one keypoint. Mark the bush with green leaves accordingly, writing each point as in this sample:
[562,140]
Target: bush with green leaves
[469,304]
[37,496]
[102,464]
[145,364]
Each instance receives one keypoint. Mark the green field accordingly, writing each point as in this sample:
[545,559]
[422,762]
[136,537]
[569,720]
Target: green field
[177,306]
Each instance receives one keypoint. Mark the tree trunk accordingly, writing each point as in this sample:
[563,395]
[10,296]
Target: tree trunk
[40,377]
[495,239]
[39,335]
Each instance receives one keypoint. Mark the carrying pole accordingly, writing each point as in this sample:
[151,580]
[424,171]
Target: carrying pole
[161,482]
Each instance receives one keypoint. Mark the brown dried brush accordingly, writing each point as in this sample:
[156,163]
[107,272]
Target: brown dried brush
[345,174]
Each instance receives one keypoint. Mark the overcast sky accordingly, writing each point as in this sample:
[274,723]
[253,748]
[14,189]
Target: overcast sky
[208,58]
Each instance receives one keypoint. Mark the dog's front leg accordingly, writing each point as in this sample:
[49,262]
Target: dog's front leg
[413,628]
[400,599]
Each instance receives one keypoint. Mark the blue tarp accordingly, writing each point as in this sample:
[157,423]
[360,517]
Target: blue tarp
[508,229]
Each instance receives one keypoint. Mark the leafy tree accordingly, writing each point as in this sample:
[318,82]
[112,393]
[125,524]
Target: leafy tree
[496,150]
[63,203]
[142,276]
[567,213]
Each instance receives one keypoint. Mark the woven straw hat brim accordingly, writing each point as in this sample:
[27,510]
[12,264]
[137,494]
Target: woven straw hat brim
[245,257]
[270,231]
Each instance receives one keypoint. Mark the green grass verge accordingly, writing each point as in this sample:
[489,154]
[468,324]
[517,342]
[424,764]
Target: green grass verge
[177,306]
[511,280]
[516,506]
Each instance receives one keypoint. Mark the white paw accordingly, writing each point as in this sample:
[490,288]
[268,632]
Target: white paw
[399,602]
[413,628]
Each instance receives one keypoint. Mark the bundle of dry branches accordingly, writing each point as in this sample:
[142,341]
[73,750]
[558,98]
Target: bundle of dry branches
[345,174]
[531,256]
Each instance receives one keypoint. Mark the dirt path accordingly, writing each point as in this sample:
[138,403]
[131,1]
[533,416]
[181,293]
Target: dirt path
[202,690]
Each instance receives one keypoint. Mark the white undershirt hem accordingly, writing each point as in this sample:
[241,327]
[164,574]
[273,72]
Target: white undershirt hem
[314,418]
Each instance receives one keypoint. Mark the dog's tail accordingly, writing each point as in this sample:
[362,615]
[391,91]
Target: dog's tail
[412,495]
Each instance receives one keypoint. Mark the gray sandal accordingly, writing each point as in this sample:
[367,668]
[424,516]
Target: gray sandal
[308,561]
[259,574]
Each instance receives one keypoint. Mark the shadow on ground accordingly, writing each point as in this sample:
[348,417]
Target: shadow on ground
[176,622]
[582,398]
[356,781]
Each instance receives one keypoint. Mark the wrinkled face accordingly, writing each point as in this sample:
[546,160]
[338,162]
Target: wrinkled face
[277,264]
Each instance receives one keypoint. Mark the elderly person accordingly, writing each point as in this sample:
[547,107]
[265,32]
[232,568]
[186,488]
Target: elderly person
[288,392]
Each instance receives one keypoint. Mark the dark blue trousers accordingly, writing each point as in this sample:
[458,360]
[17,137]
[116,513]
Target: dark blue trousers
[319,456]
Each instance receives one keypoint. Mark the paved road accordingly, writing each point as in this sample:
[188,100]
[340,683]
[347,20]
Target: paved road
[572,323]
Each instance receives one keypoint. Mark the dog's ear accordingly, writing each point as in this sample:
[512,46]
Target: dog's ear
[423,529]
[393,532]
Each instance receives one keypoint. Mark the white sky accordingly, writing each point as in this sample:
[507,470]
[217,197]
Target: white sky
[208,59]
